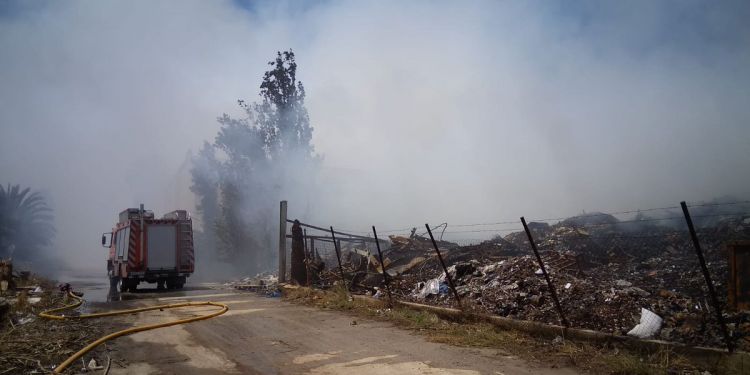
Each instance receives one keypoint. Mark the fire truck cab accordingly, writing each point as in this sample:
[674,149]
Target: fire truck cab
[143,248]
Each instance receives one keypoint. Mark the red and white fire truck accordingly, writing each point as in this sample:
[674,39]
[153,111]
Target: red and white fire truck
[143,248]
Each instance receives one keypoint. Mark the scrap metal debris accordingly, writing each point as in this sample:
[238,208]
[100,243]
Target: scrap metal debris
[606,273]
[263,283]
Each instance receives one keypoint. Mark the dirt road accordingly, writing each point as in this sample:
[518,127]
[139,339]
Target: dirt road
[268,336]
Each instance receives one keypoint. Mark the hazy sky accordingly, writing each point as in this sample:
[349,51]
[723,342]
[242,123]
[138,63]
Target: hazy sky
[424,111]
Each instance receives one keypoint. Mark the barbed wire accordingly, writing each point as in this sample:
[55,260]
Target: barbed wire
[706,204]
[558,219]
[398,230]
[608,213]
[486,230]
[485,224]
[672,218]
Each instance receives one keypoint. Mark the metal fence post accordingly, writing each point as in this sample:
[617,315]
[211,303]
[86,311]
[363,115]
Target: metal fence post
[282,242]
[338,257]
[308,259]
[707,276]
[546,276]
[382,266]
[445,269]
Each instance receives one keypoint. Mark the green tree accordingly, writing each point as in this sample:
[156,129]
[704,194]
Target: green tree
[205,186]
[281,115]
[253,159]
[25,223]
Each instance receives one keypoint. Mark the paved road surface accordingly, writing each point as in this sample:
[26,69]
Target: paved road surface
[267,336]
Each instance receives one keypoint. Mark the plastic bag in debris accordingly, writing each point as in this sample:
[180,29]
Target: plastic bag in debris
[93,365]
[274,294]
[649,325]
[433,286]
[444,289]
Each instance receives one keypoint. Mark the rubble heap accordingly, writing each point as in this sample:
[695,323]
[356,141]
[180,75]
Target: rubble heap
[604,272]
[264,283]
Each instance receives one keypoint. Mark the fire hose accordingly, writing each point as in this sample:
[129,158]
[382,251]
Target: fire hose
[49,314]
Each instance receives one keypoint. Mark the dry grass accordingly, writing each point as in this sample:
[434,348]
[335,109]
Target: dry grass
[40,344]
[587,357]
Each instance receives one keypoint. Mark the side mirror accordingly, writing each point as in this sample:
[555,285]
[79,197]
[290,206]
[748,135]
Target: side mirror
[105,242]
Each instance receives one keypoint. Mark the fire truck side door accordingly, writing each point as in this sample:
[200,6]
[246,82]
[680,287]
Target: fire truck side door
[120,242]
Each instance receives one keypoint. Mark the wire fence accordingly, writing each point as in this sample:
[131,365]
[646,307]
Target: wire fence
[630,272]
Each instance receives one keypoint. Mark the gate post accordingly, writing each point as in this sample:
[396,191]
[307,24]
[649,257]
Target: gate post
[282,242]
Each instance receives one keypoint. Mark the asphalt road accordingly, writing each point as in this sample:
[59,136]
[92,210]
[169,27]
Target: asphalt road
[262,335]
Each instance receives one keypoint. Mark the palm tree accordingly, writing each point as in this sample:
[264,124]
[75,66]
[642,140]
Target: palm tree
[25,223]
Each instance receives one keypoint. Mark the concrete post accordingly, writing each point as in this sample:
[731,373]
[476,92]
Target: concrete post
[282,242]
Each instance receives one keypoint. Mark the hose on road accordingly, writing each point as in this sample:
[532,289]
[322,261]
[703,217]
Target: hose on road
[50,314]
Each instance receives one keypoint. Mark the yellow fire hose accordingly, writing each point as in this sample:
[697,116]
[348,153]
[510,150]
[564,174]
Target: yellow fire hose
[49,315]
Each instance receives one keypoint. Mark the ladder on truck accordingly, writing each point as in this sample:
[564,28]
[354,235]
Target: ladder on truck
[185,230]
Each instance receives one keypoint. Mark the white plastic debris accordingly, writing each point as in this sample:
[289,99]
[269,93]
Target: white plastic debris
[430,287]
[491,267]
[510,286]
[649,325]
[623,283]
[568,285]
[93,365]
[539,272]
[37,290]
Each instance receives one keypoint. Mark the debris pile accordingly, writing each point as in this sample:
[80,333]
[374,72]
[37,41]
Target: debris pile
[607,274]
[30,345]
[264,283]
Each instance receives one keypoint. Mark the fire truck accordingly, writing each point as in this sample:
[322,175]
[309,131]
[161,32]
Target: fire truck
[145,249]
